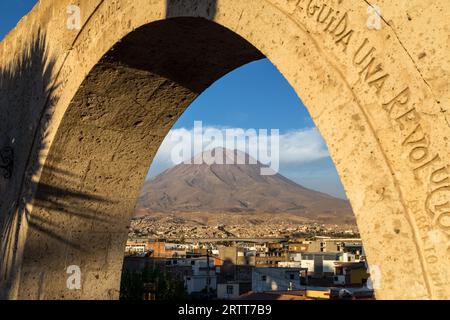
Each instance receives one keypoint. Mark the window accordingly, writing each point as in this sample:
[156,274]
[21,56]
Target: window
[263,278]
[230,289]
[292,276]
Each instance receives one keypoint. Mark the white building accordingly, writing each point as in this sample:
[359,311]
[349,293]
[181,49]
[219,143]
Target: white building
[275,279]
[295,256]
[203,277]
[324,262]
[199,283]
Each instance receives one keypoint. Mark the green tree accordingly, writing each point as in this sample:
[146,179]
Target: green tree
[166,285]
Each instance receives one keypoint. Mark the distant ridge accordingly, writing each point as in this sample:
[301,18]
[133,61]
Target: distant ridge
[237,189]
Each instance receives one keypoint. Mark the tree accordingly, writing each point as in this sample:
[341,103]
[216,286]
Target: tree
[134,285]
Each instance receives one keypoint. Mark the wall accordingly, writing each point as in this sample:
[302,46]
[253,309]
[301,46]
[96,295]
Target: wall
[276,279]
[83,121]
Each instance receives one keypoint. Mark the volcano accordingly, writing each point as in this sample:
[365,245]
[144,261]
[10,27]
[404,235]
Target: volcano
[240,189]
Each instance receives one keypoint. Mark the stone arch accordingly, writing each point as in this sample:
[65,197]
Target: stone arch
[121,81]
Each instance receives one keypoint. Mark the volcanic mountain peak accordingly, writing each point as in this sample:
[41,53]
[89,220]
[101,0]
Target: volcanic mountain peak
[222,155]
[237,188]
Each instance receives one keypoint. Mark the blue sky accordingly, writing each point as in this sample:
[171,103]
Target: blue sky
[11,12]
[258,96]
[253,96]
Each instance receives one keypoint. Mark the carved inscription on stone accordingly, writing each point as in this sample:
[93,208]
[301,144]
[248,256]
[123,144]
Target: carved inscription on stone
[432,217]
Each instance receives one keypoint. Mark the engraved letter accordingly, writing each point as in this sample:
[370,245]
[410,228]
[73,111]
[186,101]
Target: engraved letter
[426,164]
[443,172]
[365,42]
[410,115]
[416,130]
[345,39]
[342,23]
[321,19]
[314,8]
[401,99]
[439,193]
[418,154]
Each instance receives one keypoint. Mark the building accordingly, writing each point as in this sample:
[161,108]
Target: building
[324,262]
[276,279]
[239,269]
[165,250]
[271,254]
[137,264]
[327,244]
[290,264]
[296,247]
[350,274]
[201,283]
[235,266]
[135,247]
[228,291]
[203,278]
[236,255]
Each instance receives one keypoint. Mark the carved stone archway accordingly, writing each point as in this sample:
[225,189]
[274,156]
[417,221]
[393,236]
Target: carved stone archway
[84,112]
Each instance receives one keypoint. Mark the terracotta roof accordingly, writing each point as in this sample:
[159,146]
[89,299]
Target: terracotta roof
[278,295]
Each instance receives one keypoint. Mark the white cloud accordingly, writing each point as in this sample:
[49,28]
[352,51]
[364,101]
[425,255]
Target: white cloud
[302,146]
[296,147]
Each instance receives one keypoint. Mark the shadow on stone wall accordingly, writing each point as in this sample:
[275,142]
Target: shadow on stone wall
[191,52]
[202,8]
[24,91]
[27,99]
[55,206]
